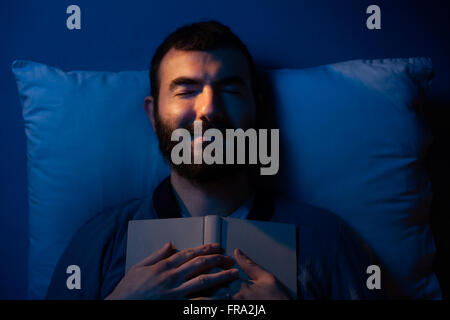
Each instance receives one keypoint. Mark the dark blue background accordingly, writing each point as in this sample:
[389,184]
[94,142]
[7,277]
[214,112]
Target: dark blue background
[119,35]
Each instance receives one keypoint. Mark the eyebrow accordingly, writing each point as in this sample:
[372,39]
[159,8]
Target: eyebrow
[236,80]
[183,81]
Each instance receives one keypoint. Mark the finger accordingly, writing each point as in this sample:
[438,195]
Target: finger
[242,293]
[250,267]
[202,298]
[157,256]
[238,296]
[185,255]
[206,281]
[201,264]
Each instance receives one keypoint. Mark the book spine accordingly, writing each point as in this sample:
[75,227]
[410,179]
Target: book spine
[211,229]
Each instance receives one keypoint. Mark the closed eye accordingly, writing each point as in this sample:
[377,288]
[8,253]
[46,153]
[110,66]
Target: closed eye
[233,91]
[185,93]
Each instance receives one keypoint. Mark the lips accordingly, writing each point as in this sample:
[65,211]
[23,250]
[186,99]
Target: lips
[201,140]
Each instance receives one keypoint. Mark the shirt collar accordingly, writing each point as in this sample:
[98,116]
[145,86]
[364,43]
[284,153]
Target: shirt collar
[166,204]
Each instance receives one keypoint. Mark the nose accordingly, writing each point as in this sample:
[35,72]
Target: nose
[207,103]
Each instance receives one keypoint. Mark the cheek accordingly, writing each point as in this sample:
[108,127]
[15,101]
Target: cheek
[178,114]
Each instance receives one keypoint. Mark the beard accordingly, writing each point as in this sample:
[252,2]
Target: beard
[197,172]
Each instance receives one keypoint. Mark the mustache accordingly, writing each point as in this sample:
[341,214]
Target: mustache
[220,123]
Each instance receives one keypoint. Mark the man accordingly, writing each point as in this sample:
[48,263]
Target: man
[204,73]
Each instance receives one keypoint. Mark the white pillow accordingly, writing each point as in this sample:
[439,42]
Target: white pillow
[354,146]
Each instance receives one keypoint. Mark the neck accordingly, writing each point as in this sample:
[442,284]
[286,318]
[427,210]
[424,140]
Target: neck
[221,197]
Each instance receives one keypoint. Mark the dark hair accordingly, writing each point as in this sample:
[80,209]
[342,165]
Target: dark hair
[201,36]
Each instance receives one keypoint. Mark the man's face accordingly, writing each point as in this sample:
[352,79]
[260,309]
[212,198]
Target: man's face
[212,86]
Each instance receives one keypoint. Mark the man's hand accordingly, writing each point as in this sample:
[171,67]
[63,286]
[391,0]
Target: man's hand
[262,286]
[164,275]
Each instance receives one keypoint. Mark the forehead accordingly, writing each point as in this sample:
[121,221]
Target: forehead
[206,65]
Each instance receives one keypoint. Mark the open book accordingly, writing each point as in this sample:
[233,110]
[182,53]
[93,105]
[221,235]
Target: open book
[271,245]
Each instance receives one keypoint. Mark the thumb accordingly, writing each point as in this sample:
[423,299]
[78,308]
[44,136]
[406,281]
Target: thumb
[250,267]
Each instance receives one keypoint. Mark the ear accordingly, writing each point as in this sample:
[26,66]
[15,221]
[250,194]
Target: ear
[149,108]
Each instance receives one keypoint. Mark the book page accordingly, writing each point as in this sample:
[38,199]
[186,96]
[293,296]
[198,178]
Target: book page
[271,245]
[147,236]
